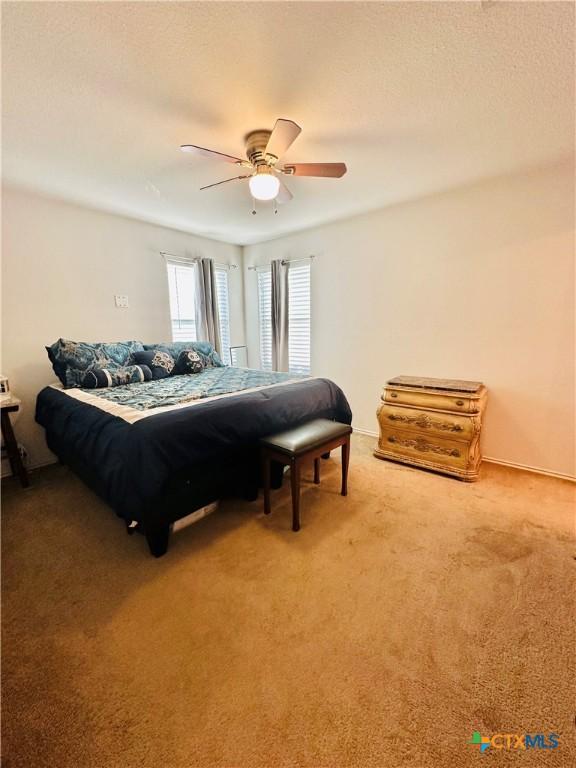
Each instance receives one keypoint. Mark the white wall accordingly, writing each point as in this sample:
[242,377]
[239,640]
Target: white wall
[477,283]
[62,265]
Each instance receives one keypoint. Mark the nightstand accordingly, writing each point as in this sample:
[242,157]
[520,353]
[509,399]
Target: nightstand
[433,423]
[11,405]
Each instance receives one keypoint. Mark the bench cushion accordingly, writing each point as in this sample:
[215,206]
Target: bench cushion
[307,437]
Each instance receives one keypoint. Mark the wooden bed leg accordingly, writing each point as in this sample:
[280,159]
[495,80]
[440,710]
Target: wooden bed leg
[157,536]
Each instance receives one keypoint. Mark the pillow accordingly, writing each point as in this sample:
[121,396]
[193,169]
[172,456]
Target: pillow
[214,360]
[210,358]
[189,361]
[160,363]
[207,351]
[82,356]
[97,378]
[58,367]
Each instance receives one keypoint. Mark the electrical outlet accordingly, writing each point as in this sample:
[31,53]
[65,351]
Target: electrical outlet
[121,301]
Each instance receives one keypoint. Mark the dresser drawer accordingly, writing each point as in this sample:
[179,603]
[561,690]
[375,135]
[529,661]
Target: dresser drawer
[434,423]
[426,449]
[438,401]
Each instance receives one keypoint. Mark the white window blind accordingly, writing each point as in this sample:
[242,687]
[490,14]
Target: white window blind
[265,314]
[181,290]
[224,312]
[299,317]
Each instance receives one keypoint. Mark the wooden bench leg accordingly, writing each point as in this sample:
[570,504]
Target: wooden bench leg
[276,475]
[266,482]
[317,471]
[295,485]
[345,462]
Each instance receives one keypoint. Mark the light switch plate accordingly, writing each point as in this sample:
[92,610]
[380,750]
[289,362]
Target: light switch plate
[121,301]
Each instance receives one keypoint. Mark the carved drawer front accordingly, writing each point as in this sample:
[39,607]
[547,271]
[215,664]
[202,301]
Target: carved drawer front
[424,448]
[430,422]
[426,399]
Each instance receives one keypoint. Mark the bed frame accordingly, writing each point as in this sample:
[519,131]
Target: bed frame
[231,476]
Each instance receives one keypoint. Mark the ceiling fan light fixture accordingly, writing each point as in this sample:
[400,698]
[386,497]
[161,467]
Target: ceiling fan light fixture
[264,185]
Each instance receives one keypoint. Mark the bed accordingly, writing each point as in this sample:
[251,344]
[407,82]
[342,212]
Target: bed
[155,451]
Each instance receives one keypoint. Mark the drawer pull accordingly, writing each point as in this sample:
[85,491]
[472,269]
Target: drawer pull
[459,402]
[424,447]
[393,394]
[423,421]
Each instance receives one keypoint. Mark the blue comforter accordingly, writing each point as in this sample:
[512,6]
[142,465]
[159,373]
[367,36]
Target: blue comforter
[130,444]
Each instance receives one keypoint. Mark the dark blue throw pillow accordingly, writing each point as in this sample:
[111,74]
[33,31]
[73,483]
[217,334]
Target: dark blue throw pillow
[210,358]
[160,363]
[97,378]
[189,361]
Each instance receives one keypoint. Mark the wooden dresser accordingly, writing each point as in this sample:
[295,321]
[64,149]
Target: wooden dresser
[433,423]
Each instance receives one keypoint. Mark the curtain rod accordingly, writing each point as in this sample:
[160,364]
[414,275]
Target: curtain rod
[284,261]
[185,260]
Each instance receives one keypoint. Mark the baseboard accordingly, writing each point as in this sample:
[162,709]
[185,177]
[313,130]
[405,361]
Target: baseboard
[365,432]
[41,464]
[490,460]
[370,433]
[32,467]
[526,468]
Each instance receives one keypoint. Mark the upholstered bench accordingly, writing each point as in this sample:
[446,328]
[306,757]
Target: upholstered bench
[304,443]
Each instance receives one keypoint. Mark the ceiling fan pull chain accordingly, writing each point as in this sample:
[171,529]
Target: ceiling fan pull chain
[254,211]
[275,206]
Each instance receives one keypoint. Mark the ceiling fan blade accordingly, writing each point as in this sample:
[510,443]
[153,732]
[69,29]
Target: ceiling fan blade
[284,133]
[234,178]
[327,170]
[203,152]
[284,195]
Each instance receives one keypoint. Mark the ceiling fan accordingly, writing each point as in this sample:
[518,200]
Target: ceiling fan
[263,151]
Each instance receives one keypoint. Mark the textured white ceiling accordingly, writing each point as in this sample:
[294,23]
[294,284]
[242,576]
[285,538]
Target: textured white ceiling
[414,97]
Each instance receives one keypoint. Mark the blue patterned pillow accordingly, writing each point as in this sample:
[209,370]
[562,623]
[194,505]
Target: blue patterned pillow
[58,367]
[189,361]
[210,358]
[161,363]
[96,378]
[83,356]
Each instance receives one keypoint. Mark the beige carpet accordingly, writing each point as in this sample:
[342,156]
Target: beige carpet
[397,621]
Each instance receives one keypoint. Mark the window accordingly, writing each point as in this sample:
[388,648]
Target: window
[221,274]
[182,310]
[298,317]
[265,313]
[181,289]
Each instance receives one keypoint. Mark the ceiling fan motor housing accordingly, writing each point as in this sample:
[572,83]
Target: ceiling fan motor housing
[256,143]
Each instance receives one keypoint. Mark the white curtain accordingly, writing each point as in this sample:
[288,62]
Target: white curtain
[279,295]
[206,304]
